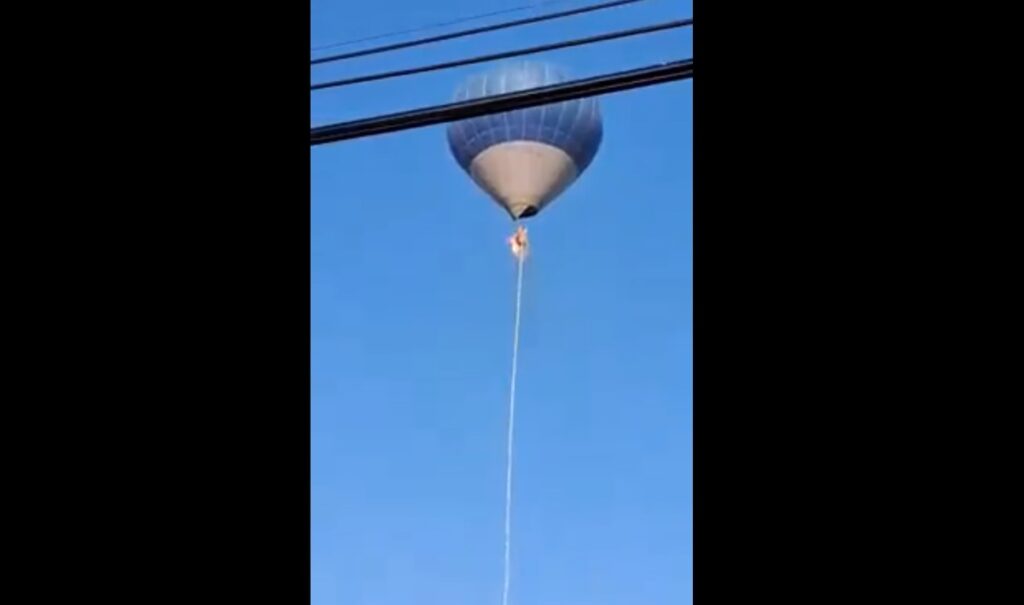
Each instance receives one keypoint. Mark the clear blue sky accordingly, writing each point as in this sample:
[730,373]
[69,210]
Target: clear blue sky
[412,292]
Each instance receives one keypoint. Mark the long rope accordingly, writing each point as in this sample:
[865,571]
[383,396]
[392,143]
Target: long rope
[511,427]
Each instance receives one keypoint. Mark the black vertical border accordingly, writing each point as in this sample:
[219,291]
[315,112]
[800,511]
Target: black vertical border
[786,372]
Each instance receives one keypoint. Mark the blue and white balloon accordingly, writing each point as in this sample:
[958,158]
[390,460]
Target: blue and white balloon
[525,158]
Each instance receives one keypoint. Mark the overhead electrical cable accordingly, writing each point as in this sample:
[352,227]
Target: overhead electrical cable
[429,26]
[471,32]
[438,114]
[648,29]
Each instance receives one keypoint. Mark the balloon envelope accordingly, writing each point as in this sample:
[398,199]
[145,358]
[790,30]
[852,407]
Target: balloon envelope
[525,158]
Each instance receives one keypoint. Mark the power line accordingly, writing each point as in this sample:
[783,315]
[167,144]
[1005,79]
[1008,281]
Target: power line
[514,9]
[504,55]
[566,91]
[473,32]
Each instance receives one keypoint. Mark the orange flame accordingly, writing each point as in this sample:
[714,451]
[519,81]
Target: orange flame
[518,242]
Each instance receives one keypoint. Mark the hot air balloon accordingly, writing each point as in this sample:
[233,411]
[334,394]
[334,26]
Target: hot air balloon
[525,158]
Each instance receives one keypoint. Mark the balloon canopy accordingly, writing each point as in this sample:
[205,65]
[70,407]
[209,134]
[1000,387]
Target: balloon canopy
[525,158]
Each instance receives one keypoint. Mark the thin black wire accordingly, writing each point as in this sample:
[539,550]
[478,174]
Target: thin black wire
[435,26]
[504,55]
[566,91]
[474,31]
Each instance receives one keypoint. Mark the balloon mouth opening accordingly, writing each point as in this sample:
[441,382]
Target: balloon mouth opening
[526,212]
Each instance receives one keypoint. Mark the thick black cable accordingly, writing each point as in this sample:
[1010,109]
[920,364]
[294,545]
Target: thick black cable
[472,32]
[566,91]
[429,26]
[504,55]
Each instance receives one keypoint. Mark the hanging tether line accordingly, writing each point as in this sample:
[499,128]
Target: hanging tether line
[518,243]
